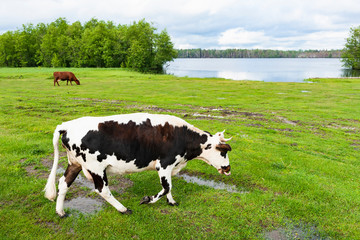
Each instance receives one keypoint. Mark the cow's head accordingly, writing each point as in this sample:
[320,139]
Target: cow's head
[214,152]
[77,82]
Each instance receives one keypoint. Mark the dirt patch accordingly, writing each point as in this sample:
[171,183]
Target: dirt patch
[79,197]
[284,120]
[197,112]
[53,226]
[346,128]
[291,230]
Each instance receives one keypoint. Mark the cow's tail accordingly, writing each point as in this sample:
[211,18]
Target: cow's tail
[50,188]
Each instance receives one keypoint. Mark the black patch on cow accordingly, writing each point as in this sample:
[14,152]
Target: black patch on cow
[71,173]
[226,168]
[78,152]
[65,140]
[62,131]
[208,147]
[165,185]
[105,178]
[208,133]
[143,142]
[223,148]
[98,180]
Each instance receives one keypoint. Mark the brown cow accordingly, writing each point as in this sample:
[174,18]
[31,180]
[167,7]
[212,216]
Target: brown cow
[68,76]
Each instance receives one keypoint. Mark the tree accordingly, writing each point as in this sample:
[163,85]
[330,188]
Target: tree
[7,49]
[140,37]
[351,53]
[55,45]
[94,44]
[164,51]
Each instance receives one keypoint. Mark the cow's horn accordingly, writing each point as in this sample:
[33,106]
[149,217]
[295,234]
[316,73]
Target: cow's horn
[222,138]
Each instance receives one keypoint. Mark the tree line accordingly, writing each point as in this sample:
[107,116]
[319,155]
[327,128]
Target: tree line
[257,53]
[95,43]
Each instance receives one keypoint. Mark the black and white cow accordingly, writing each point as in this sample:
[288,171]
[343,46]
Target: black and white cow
[131,143]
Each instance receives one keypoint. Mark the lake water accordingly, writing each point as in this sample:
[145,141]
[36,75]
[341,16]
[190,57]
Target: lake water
[263,69]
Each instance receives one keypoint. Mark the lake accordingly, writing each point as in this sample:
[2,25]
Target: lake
[262,69]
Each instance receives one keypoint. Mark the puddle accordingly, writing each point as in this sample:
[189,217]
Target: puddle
[206,115]
[84,205]
[84,182]
[210,183]
[81,202]
[294,231]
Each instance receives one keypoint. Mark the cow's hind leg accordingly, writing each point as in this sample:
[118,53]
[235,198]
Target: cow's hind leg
[64,183]
[165,180]
[101,187]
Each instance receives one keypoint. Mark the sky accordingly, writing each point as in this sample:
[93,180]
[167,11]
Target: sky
[207,24]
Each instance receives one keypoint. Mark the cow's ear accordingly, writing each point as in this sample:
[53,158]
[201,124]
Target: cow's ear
[222,147]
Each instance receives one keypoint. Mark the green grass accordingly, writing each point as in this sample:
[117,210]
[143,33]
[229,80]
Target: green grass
[295,151]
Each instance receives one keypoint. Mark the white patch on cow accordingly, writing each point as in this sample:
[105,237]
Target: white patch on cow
[122,167]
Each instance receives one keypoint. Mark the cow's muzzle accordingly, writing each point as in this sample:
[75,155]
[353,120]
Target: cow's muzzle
[225,170]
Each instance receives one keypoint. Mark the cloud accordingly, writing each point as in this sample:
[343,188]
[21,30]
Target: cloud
[275,24]
[240,36]
[316,40]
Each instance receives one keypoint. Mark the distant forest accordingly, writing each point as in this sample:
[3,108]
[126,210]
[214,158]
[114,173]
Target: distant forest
[257,53]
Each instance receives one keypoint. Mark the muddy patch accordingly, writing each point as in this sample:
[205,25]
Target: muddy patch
[198,112]
[291,231]
[84,205]
[210,183]
[284,120]
[80,196]
[342,127]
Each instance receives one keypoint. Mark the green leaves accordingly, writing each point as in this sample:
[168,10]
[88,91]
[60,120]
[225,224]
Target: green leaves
[351,53]
[94,44]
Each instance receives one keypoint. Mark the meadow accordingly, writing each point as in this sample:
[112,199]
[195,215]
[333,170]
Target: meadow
[295,157]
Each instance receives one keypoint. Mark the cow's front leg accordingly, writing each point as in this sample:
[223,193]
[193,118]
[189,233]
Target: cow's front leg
[165,180]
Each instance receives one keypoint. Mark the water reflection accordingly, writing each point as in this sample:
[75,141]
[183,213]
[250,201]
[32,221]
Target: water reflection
[261,69]
[350,73]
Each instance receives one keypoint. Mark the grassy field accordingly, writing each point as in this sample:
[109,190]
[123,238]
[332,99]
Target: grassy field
[295,157]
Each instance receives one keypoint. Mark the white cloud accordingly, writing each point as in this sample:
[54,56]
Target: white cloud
[319,40]
[276,24]
[240,36]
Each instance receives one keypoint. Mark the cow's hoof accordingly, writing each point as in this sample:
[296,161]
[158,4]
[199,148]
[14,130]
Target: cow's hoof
[172,204]
[127,212]
[146,200]
[64,215]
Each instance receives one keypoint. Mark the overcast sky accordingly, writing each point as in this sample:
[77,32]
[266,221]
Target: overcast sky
[208,24]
